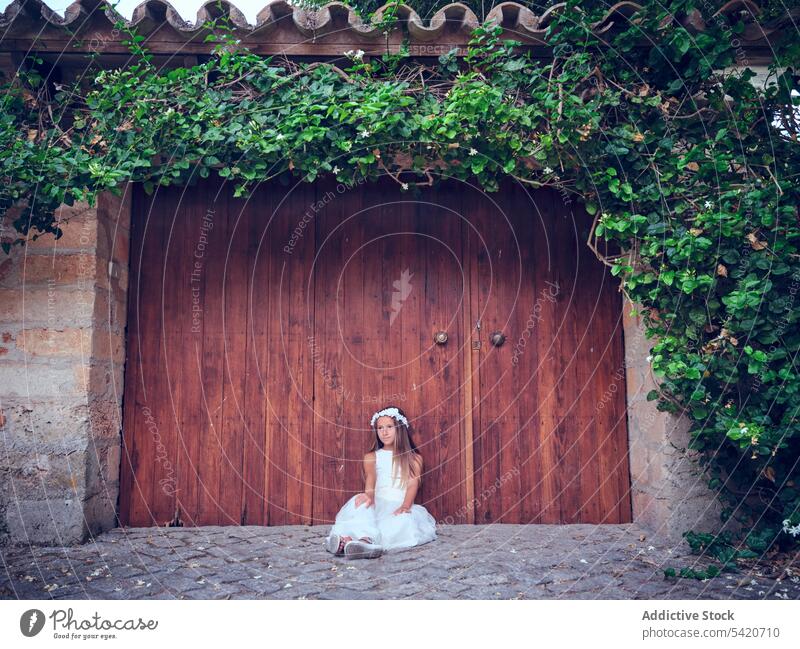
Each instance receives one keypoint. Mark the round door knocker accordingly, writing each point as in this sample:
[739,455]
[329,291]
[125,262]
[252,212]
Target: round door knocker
[440,337]
[497,339]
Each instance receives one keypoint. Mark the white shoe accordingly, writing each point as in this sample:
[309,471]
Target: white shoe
[332,544]
[362,550]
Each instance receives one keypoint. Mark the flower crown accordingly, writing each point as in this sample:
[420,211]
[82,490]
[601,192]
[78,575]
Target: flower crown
[390,412]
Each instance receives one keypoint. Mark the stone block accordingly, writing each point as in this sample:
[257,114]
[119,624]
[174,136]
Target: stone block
[82,373]
[108,346]
[103,467]
[47,476]
[100,511]
[639,456]
[47,307]
[70,341]
[635,383]
[78,226]
[7,265]
[116,209]
[78,270]
[105,417]
[55,425]
[118,280]
[119,315]
[59,521]
[110,310]
[113,242]
[39,381]
[122,244]
[100,378]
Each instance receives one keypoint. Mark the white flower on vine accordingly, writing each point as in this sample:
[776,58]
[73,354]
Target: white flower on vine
[280,136]
[336,170]
[357,54]
[794,531]
[404,186]
[548,170]
[649,359]
[364,133]
[473,151]
[708,205]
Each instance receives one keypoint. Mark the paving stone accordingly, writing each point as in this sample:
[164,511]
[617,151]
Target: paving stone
[465,562]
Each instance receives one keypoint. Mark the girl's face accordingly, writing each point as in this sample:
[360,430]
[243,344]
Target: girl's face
[387,429]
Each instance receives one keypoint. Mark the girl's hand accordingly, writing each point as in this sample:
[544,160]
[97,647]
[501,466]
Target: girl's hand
[364,498]
[403,509]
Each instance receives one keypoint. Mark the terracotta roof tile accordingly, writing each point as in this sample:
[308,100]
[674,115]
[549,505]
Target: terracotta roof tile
[336,23]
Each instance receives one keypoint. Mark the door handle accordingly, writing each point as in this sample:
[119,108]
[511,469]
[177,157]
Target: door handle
[440,337]
[497,338]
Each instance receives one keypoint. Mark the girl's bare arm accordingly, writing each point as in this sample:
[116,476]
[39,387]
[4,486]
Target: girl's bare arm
[369,471]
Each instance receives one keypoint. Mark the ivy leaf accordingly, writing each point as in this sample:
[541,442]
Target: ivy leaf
[514,65]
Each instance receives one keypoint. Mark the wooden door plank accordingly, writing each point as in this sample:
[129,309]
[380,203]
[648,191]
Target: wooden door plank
[443,379]
[489,438]
[570,434]
[202,432]
[260,300]
[236,352]
[470,397]
[145,427]
[278,379]
[521,351]
[593,335]
[331,464]
[133,369]
[341,426]
[157,387]
[297,288]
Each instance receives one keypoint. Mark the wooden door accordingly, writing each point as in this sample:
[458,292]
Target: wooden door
[217,416]
[551,441]
[264,332]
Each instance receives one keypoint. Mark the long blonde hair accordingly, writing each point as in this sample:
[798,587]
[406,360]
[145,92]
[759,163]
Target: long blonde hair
[404,448]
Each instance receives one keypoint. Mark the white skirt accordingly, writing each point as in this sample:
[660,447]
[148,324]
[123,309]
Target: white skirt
[379,523]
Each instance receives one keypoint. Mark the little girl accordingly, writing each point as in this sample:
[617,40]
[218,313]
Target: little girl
[384,517]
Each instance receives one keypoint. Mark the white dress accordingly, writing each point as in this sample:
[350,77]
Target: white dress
[378,522]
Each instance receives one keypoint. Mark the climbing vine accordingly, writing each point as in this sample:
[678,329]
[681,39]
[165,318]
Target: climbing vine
[686,167]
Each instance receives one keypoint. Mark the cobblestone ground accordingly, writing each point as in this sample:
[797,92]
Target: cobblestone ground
[465,562]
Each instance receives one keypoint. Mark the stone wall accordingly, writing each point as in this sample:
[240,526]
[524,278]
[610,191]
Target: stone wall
[62,353]
[669,490]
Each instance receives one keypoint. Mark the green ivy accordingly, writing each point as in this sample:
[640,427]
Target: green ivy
[690,172]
